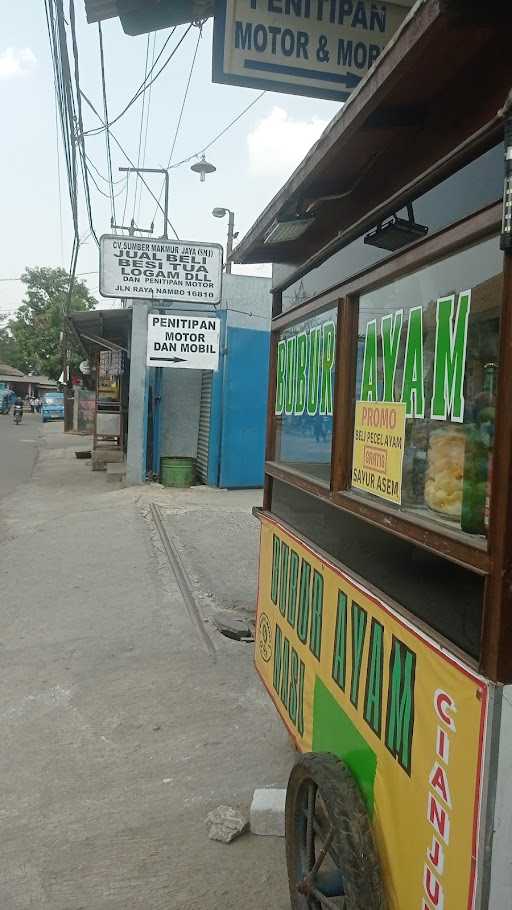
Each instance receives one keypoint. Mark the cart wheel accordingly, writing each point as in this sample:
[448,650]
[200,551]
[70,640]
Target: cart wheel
[330,853]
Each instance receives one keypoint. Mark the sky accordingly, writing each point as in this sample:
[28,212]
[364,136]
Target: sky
[253,159]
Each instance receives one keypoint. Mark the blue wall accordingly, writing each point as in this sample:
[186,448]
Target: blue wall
[239,405]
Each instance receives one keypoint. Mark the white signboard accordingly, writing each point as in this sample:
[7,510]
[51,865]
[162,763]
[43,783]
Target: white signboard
[183,342]
[180,270]
[305,47]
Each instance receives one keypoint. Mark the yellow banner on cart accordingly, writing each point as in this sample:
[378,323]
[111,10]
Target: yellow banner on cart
[379,432]
[350,676]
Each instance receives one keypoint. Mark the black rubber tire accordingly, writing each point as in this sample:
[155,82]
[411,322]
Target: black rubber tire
[353,842]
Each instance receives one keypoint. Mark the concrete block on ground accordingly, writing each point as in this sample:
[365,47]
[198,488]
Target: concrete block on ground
[267,812]
[101,457]
[225,823]
[116,472]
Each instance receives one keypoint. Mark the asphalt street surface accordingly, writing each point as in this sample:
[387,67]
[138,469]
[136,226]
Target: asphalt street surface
[119,730]
[18,450]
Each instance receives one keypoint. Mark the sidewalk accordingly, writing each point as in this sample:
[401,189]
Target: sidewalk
[119,733]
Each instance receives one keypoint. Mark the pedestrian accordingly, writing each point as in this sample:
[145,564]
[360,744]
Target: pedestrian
[32,403]
[38,404]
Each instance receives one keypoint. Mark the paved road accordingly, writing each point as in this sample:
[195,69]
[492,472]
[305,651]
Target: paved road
[18,449]
[118,733]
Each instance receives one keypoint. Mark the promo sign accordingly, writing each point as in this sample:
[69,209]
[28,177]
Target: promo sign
[379,438]
[181,270]
[304,47]
[183,342]
[351,676]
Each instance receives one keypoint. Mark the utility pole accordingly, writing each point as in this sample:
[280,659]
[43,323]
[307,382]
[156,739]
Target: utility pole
[131,228]
[229,245]
[133,472]
[221,212]
[154,170]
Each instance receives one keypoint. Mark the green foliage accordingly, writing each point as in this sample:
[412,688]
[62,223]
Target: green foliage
[33,339]
[7,347]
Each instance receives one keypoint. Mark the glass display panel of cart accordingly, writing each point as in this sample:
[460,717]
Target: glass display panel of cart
[426,376]
[304,395]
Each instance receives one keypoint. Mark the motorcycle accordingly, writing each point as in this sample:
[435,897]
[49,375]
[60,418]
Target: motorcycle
[18,414]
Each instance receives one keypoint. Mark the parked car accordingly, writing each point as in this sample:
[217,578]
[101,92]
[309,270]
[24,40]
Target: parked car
[52,407]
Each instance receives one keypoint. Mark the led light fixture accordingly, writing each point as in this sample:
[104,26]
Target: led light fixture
[284,231]
[396,232]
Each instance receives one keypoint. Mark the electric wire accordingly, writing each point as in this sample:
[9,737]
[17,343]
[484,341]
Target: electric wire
[107,131]
[99,174]
[64,102]
[80,138]
[98,130]
[180,116]
[59,187]
[141,128]
[65,99]
[185,97]
[130,162]
[50,22]
[218,136]
[110,196]
[148,110]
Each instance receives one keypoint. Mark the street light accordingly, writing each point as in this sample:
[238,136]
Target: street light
[203,167]
[221,213]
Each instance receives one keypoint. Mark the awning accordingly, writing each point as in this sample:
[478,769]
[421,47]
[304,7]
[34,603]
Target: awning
[101,330]
[445,72]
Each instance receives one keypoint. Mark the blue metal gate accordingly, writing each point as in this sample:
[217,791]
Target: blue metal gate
[239,404]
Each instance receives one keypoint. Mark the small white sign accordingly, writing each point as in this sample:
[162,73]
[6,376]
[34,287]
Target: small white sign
[181,270]
[183,342]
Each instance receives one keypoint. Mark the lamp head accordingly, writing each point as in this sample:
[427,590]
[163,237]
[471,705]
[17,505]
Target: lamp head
[219,212]
[202,168]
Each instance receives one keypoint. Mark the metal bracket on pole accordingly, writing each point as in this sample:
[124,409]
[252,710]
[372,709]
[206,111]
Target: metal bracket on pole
[154,170]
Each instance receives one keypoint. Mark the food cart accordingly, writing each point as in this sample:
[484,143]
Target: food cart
[384,624]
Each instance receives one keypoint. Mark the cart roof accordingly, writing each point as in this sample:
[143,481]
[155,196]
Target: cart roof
[444,75]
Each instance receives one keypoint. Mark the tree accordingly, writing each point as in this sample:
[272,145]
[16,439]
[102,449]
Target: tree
[35,332]
[7,347]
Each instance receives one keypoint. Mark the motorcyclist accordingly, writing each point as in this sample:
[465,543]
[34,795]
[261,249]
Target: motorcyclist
[18,408]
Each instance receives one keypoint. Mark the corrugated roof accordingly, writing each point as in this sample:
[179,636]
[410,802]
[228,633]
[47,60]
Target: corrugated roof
[41,380]
[91,327]
[10,374]
[7,370]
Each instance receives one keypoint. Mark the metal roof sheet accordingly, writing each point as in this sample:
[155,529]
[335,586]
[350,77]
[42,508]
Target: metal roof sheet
[12,372]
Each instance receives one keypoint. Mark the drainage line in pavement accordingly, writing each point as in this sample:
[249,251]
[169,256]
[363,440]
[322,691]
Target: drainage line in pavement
[182,579]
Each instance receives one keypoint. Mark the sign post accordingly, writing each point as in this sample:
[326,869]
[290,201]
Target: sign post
[184,271]
[181,341]
[303,47]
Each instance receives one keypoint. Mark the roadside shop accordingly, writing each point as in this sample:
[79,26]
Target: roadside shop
[212,414]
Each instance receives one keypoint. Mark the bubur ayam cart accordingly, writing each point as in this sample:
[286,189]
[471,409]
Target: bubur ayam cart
[384,623]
